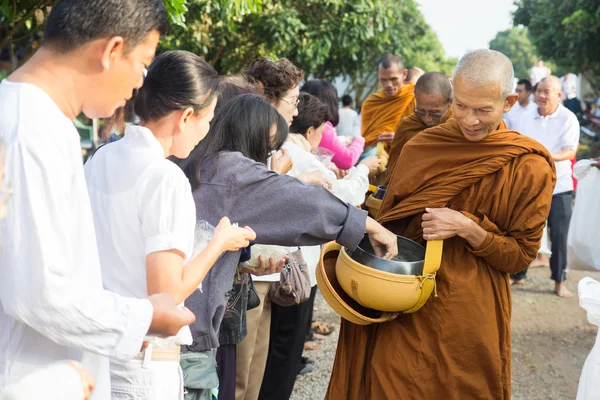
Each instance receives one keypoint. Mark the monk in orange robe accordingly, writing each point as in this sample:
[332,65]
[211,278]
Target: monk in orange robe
[486,191]
[433,95]
[382,111]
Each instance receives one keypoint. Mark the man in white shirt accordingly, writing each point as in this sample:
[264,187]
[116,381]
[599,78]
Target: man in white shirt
[524,104]
[569,86]
[52,304]
[557,129]
[538,72]
[349,124]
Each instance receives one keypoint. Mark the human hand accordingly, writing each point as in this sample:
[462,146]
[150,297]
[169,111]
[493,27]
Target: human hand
[229,237]
[316,177]
[87,380]
[387,137]
[264,267]
[282,163]
[382,238]
[372,163]
[597,164]
[167,317]
[443,223]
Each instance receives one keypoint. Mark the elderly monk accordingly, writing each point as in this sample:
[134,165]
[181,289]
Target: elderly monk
[382,111]
[486,191]
[433,93]
[413,74]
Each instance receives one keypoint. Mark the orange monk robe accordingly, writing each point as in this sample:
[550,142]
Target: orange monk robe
[406,130]
[381,113]
[458,345]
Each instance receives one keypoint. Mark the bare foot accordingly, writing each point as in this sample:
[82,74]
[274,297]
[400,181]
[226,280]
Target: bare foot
[542,260]
[561,291]
[318,336]
[312,346]
[514,282]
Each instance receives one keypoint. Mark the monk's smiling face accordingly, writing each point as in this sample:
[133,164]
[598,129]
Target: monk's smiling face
[391,79]
[431,107]
[479,109]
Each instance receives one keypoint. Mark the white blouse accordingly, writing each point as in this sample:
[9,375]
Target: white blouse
[142,203]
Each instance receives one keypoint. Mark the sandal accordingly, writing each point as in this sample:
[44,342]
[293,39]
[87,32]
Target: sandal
[322,328]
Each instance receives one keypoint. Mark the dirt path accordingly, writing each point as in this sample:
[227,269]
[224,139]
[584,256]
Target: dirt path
[551,339]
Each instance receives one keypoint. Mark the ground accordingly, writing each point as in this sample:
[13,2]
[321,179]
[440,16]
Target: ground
[551,339]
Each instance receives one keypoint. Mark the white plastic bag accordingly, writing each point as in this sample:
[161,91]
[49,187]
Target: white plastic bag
[584,246]
[589,300]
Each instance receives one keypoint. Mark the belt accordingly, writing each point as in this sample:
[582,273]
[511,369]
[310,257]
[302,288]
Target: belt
[171,353]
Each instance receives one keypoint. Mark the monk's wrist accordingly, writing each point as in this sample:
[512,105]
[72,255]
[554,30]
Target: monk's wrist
[473,233]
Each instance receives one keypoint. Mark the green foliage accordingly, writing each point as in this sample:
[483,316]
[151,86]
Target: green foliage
[515,44]
[565,32]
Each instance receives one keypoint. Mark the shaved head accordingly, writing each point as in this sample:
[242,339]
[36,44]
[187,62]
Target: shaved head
[483,68]
[413,75]
[435,83]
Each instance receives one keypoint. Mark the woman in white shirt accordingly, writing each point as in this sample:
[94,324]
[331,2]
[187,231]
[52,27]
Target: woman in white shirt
[145,216]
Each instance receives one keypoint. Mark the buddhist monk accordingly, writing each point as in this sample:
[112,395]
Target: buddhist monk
[433,95]
[413,74]
[486,191]
[382,111]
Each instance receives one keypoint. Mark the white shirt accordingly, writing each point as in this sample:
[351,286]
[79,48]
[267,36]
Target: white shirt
[142,203]
[558,131]
[53,306]
[538,73]
[569,86]
[57,381]
[349,124]
[516,112]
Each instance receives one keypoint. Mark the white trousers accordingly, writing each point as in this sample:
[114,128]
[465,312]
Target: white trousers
[159,380]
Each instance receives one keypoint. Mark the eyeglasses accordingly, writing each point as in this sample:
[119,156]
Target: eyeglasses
[292,102]
[5,193]
[434,115]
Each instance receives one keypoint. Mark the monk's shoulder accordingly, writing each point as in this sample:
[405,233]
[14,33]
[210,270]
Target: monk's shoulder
[533,167]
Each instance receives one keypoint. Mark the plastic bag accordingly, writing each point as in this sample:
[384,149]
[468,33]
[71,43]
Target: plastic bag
[324,156]
[267,251]
[583,245]
[589,300]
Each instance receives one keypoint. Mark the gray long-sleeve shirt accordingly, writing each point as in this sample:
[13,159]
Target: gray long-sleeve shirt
[281,210]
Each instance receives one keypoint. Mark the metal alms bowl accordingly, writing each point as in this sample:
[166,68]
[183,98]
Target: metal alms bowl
[409,261]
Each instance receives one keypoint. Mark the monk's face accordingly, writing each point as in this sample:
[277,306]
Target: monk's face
[479,110]
[391,79]
[431,108]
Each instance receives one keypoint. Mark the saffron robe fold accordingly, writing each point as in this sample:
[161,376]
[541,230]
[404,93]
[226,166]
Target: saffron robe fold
[458,345]
[381,113]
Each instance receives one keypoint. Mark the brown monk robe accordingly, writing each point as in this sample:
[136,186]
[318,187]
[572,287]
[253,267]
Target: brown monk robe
[381,113]
[458,345]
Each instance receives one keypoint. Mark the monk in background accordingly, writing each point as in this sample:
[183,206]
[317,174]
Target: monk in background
[486,191]
[413,74]
[382,111]
[433,95]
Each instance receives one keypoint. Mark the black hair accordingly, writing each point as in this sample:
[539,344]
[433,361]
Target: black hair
[327,93]
[346,100]
[388,60]
[311,113]
[277,77]
[235,85]
[73,23]
[435,83]
[527,84]
[176,80]
[244,125]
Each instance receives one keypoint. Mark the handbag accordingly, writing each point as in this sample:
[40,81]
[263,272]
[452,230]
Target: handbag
[293,287]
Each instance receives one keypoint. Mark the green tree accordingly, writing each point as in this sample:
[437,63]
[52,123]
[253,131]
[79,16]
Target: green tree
[565,32]
[515,44]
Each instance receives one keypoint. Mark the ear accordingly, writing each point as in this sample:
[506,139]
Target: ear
[404,74]
[309,132]
[510,101]
[113,50]
[184,119]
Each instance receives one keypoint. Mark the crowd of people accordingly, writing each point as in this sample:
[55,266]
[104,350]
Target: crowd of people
[180,261]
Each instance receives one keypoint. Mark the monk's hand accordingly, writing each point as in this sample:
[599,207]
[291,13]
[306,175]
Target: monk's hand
[383,241]
[387,137]
[443,223]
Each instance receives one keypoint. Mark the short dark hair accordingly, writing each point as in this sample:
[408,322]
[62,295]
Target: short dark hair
[176,80]
[277,77]
[388,60]
[346,100]
[435,83]
[311,113]
[235,85]
[527,84]
[327,93]
[244,124]
[73,23]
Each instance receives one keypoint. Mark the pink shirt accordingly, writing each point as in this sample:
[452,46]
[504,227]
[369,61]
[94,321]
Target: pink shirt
[345,157]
